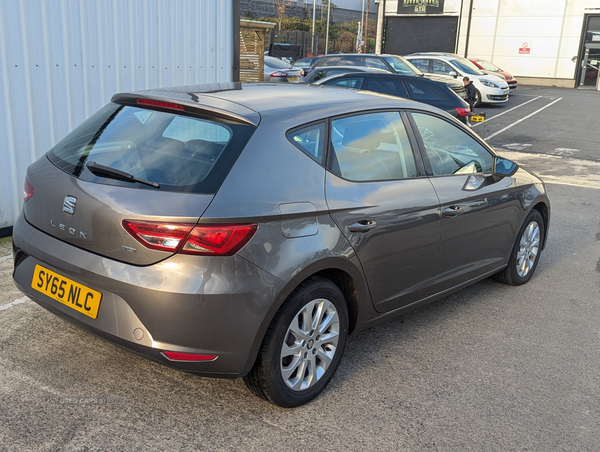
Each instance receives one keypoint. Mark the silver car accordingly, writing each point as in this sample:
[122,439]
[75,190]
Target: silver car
[216,231]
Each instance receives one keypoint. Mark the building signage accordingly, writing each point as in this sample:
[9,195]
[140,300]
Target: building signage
[420,6]
[525,49]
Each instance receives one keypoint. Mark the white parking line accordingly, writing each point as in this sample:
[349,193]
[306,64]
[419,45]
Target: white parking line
[522,119]
[504,112]
[5,258]
[13,303]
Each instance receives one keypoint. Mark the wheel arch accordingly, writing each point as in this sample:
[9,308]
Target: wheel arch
[544,211]
[343,272]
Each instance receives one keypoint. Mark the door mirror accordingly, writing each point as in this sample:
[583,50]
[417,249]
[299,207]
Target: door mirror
[503,168]
[453,74]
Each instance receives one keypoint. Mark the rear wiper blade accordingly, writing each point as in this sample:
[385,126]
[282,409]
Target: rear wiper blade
[107,171]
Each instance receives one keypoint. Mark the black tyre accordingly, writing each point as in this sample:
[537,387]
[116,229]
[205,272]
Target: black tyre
[525,254]
[477,102]
[303,345]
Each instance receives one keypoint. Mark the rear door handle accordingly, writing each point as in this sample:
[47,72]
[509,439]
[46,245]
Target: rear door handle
[452,211]
[362,226]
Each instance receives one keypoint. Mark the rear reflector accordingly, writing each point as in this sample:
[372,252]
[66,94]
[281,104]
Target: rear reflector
[27,190]
[158,103]
[462,111]
[188,357]
[204,240]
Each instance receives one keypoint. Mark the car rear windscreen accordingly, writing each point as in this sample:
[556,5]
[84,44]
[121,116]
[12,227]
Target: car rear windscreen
[174,151]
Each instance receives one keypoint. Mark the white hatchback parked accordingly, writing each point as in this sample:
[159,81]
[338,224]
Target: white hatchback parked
[490,88]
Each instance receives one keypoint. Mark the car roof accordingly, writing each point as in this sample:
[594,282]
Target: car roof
[248,102]
[383,74]
[354,69]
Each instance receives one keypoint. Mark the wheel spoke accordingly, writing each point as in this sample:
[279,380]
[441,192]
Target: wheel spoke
[316,320]
[288,371]
[325,357]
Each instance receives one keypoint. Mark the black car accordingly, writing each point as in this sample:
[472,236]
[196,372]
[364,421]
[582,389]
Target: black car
[392,63]
[421,89]
[328,71]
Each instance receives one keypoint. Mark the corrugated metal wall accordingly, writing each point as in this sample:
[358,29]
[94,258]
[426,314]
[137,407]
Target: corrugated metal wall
[61,60]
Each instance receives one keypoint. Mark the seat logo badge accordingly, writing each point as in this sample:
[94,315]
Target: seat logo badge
[69,204]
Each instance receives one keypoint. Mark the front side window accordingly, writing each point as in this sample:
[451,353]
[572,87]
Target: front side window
[371,147]
[177,152]
[440,67]
[449,149]
[376,63]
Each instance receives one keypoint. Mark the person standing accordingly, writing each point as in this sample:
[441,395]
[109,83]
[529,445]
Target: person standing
[471,92]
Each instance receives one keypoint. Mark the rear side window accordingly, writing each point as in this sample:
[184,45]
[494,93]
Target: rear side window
[421,64]
[421,92]
[371,147]
[177,152]
[328,61]
[351,61]
[355,83]
[309,140]
[391,87]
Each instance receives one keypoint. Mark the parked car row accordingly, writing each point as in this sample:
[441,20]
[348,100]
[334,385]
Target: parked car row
[492,84]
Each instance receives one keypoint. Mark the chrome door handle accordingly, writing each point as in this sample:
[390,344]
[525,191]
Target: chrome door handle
[452,211]
[362,226]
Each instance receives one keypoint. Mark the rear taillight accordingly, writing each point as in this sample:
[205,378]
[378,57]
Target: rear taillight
[278,74]
[205,240]
[159,103]
[302,73]
[462,111]
[188,357]
[27,190]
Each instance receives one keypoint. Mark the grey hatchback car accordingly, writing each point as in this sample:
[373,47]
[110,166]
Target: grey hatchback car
[217,231]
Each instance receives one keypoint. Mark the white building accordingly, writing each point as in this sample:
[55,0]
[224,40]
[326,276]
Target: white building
[542,42]
[61,60]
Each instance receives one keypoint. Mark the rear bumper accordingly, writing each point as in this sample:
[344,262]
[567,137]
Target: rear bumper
[185,304]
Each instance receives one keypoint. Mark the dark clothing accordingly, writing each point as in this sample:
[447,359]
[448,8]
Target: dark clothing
[471,94]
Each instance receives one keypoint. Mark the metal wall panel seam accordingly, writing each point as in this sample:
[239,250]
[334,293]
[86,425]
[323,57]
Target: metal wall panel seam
[46,44]
[100,53]
[65,39]
[132,51]
[118,37]
[147,64]
[10,132]
[85,66]
[28,81]
[160,44]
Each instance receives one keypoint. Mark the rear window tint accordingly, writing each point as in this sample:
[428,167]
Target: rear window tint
[180,153]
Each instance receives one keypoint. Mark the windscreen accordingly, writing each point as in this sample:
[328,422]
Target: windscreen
[172,151]
[467,67]
[402,66]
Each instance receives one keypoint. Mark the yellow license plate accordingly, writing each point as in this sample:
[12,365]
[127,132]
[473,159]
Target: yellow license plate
[477,118]
[292,79]
[74,295]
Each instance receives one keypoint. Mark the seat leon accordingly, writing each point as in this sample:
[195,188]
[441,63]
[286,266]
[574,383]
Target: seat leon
[220,232]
